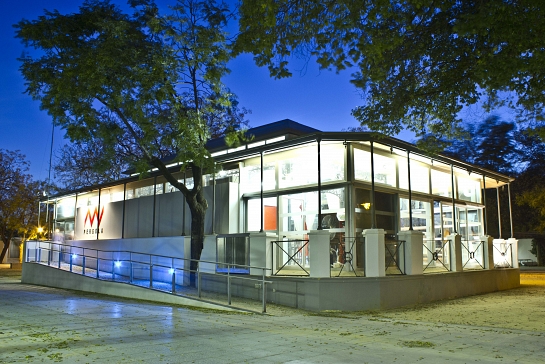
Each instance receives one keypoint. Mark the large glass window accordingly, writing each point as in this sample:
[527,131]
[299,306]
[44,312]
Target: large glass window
[470,223]
[441,183]
[66,208]
[384,167]
[270,211]
[469,189]
[299,212]
[87,199]
[421,214]
[362,165]
[385,211]
[140,189]
[188,183]
[385,170]
[332,162]
[111,194]
[420,176]
[298,167]
[250,179]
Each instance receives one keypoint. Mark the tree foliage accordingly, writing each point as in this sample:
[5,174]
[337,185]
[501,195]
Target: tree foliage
[530,191]
[145,88]
[18,198]
[493,143]
[417,62]
[498,145]
[82,164]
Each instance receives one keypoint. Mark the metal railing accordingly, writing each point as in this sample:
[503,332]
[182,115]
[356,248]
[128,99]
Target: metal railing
[297,255]
[344,253]
[395,256]
[437,257]
[503,255]
[154,271]
[473,254]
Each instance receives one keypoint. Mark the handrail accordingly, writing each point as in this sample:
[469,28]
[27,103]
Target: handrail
[348,254]
[436,251]
[153,255]
[393,254]
[291,258]
[56,247]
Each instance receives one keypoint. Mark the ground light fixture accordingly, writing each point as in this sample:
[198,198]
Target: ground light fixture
[117,264]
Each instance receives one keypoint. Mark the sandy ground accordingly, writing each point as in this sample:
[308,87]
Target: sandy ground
[522,308]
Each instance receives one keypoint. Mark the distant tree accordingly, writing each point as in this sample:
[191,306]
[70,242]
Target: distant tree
[144,87]
[490,144]
[82,164]
[496,148]
[529,190]
[18,199]
[493,144]
[416,62]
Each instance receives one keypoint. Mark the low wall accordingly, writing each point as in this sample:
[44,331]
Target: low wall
[167,247]
[43,275]
[357,294]
[316,294]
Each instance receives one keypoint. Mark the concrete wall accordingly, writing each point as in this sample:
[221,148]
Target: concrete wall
[345,294]
[356,294]
[46,276]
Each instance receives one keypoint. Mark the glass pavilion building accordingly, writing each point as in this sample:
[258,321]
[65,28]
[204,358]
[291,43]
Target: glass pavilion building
[372,206]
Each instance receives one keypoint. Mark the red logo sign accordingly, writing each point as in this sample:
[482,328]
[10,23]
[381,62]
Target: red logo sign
[92,217]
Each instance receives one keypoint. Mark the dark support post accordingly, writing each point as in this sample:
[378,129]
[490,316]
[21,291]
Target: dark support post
[75,213]
[54,219]
[39,210]
[47,218]
[154,205]
[485,208]
[350,187]
[410,191]
[123,216]
[453,197]
[510,209]
[373,211]
[214,199]
[261,196]
[98,213]
[319,187]
[185,203]
[499,210]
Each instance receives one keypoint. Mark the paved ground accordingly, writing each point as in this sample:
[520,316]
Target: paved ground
[39,324]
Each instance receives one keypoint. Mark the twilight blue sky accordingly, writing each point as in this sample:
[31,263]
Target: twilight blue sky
[319,99]
[322,100]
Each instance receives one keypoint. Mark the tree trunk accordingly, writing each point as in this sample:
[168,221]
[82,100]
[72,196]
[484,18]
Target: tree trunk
[197,205]
[4,250]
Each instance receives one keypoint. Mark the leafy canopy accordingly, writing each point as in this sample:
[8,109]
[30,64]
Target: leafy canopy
[80,164]
[144,88]
[19,195]
[417,62]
